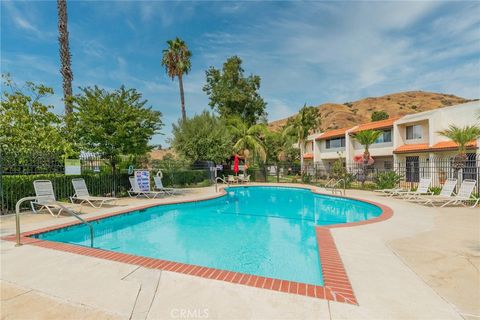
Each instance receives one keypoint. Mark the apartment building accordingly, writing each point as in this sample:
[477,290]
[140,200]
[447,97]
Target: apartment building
[409,139]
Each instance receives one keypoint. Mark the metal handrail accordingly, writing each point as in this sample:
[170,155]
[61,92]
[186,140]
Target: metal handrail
[334,187]
[71,212]
[221,179]
[328,183]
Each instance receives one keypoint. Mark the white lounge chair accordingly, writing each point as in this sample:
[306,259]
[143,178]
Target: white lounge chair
[390,192]
[447,191]
[422,189]
[82,194]
[159,186]
[243,178]
[136,191]
[231,179]
[46,198]
[464,195]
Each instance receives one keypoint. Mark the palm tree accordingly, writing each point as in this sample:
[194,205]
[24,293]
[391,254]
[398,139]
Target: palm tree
[366,138]
[306,121]
[66,68]
[461,136]
[247,138]
[176,60]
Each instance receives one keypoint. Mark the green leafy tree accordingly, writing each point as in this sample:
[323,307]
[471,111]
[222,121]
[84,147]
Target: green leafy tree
[248,138]
[379,115]
[176,60]
[114,123]
[233,94]
[203,137]
[305,122]
[26,123]
[461,136]
[280,147]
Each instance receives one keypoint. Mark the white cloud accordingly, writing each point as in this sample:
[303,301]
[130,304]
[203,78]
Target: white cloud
[26,19]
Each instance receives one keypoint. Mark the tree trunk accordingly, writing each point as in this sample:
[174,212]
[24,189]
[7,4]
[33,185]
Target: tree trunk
[66,69]
[182,97]
[302,150]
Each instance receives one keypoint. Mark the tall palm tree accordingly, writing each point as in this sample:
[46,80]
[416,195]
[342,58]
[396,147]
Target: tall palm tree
[247,138]
[366,138]
[306,121]
[461,136]
[66,68]
[176,60]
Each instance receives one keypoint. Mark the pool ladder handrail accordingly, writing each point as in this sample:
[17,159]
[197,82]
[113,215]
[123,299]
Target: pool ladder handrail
[335,185]
[68,210]
[327,185]
[221,179]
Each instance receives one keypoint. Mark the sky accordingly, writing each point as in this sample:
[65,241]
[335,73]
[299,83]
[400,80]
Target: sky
[304,52]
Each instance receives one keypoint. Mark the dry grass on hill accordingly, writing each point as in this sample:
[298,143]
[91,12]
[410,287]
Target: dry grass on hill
[336,116]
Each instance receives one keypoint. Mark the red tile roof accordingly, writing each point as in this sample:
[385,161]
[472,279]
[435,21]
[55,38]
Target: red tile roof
[424,147]
[452,145]
[333,133]
[382,124]
[418,147]
[308,156]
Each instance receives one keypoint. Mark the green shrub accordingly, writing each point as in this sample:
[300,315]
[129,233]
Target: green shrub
[15,187]
[435,190]
[387,180]
[184,178]
[306,178]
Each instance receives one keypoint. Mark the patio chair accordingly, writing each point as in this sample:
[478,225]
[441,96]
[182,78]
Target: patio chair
[82,194]
[136,191]
[244,178]
[447,191]
[46,198]
[464,195]
[390,192]
[159,186]
[231,179]
[422,189]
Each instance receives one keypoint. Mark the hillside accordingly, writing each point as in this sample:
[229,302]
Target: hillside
[398,104]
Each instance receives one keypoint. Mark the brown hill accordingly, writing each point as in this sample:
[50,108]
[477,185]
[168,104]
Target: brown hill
[397,104]
[160,154]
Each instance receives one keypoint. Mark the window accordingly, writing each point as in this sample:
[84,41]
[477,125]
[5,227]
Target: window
[388,165]
[386,136]
[335,143]
[414,132]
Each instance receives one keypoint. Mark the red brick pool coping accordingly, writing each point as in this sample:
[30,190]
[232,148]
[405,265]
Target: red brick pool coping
[336,286]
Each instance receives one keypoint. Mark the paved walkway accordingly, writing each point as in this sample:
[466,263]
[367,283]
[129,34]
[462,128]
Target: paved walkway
[423,263]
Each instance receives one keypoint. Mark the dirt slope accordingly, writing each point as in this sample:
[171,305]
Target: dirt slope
[397,104]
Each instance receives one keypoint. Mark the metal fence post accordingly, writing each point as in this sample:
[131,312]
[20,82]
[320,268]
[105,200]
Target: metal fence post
[2,205]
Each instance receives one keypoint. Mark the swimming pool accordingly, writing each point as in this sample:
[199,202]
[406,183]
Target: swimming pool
[262,231]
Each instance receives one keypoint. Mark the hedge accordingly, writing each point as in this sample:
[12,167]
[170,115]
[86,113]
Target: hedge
[184,178]
[15,187]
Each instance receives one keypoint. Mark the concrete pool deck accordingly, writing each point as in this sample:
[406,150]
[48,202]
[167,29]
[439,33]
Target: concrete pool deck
[423,263]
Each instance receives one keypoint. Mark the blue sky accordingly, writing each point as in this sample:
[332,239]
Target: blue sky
[305,52]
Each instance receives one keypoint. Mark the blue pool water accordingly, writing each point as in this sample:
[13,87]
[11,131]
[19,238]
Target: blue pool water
[265,231]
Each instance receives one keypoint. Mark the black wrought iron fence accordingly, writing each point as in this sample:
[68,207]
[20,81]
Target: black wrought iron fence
[19,170]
